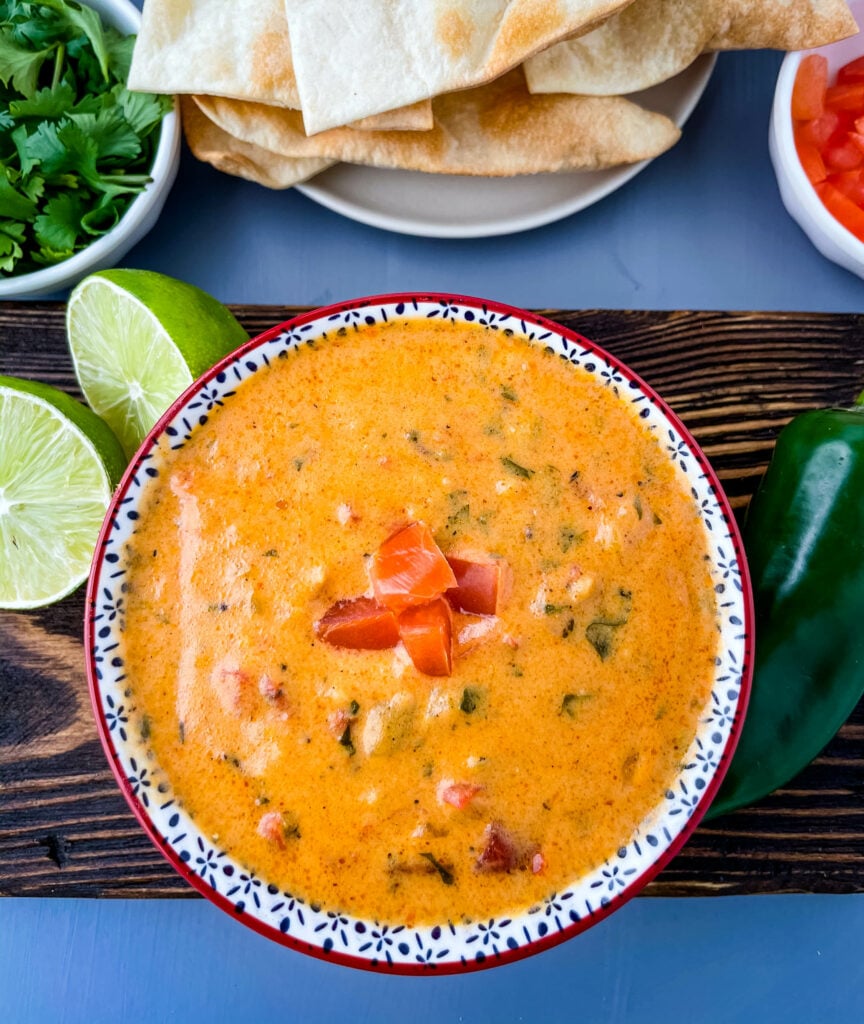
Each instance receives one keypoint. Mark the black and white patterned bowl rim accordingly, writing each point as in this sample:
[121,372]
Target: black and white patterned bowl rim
[447,947]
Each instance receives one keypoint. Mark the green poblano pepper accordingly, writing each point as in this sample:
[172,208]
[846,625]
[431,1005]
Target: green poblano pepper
[804,537]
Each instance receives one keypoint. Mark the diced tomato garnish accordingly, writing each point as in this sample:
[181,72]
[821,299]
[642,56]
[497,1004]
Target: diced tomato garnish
[478,586]
[410,569]
[812,162]
[500,852]
[851,184]
[337,722]
[457,794]
[272,828]
[845,156]
[845,97]
[269,688]
[230,683]
[427,632]
[851,72]
[849,215]
[808,92]
[360,623]
[857,138]
[410,576]
[818,131]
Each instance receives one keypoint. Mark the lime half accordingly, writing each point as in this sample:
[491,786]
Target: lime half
[138,340]
[59,464]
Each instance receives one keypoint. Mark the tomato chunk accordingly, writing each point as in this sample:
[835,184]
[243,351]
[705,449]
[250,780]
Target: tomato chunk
[478,586]
[812,162]
[360,623]
[819,130]
[808,92]
[500,851]
[842,156]
[427,632]
[849,215]
[272,828]
[851,184]
[851,72]
[457,794]
[845,97]
[410,569]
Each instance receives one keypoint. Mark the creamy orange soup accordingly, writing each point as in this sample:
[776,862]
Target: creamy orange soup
[330,772]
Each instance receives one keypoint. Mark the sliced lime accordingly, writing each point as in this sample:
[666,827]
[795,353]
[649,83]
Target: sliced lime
[59,464]
[138,339]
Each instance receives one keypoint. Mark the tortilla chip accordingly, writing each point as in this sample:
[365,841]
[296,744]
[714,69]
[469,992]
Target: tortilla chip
[239,48]
[791,25]
[353,59]
[652,40]
[416,117]
[497,130]
[212,145]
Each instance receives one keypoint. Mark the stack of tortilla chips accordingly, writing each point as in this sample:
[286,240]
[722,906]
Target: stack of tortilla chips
[277,90]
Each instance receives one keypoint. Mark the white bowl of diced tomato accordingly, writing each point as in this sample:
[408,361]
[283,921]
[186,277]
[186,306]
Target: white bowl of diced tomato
[816,141]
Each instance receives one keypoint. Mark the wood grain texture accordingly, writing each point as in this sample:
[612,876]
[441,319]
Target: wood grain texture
[734,378]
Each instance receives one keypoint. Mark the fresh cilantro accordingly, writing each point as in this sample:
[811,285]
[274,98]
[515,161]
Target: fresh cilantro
[119,49]
[12,202]
[11,239]
[140,109]
[20,67]
[47,256]
[86,21]
[111,132]
[104,216]
[60,147]
[59,226]
[46,102]
[75,144]
[19,139]
[33,187]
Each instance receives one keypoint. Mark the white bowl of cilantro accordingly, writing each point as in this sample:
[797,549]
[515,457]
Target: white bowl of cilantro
[85,165]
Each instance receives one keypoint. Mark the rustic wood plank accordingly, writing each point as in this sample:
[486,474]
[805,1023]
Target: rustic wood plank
[735,379]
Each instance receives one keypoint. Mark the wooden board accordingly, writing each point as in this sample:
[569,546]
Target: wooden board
[734,378]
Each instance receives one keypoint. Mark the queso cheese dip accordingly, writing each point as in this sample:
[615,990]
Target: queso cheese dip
[348,777]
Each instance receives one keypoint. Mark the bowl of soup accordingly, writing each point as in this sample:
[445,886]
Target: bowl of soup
[419,634]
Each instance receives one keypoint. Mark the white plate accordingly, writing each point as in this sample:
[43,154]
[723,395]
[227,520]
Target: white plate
[453,206]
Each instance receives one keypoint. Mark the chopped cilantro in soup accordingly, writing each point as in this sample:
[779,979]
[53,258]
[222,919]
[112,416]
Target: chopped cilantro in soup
[577,663]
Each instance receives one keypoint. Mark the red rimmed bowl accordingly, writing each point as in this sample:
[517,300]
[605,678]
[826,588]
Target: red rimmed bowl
[290,917]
